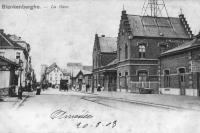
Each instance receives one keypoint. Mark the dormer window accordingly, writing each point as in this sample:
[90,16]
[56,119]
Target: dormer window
[142,51]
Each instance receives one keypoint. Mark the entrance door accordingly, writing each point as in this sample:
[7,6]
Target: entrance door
[80,84]
[182,80]
[142,79]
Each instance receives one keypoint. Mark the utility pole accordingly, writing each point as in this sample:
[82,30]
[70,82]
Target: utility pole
[154,8]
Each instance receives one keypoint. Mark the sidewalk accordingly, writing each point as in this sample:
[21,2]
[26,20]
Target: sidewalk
[8,102]
[186,102]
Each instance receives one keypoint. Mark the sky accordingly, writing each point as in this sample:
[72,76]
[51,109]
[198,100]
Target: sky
[64,35]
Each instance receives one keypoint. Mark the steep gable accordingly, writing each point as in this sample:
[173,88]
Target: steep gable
[7,43]
[159,27]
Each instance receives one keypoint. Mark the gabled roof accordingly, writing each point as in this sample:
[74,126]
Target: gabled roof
[19,41]
[84,72]
[9,43]
[52,67]
[148,26]
[185,46]
[108,44]
[7,61]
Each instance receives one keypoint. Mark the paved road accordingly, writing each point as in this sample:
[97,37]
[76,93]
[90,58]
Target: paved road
[55,111]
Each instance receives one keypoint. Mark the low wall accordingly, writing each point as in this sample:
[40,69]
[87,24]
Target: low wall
[4,91]
[171,91]
[191,92]
[176,91]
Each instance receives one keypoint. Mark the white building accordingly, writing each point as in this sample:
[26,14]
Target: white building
[14,49]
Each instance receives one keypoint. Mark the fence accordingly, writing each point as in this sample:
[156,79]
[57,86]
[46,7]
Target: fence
[137,86]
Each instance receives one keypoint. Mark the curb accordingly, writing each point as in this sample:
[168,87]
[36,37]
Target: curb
[18,104]
[142,102]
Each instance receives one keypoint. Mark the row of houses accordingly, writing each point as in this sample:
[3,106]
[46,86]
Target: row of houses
[159,54]
[15,64]
[75,75]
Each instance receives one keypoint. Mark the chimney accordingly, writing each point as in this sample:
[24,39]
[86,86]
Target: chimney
[102,35]
[1,31]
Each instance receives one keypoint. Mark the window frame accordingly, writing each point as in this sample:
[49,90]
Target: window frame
[181,74]
[18,55]
[167,79]
[142,50]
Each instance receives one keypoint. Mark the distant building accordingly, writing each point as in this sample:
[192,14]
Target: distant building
[87,68]
[180,69]
[43,68]
[82,79]
[54,75]
[74,66]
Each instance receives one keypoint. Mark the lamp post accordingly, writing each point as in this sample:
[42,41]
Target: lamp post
[20,86]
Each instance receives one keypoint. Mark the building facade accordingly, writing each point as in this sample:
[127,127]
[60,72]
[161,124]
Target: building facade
[16,50]
[8,79]
[180,69]
[104,52]
[82,79]
[54,75]
[141,40]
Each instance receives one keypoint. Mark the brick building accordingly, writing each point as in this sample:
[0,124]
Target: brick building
[104,52]
[141,39]
[180,69]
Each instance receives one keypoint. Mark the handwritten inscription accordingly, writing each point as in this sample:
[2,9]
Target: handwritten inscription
[98,124]
[59,6]
[61,114]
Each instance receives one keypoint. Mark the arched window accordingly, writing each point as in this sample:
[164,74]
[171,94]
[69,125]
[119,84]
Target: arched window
[142,51]
[126,51]
[166,78]
[182,74]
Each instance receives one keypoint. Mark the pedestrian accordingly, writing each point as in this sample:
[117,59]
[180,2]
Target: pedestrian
[66,86]
[99,87]
[87,87]
[20,92]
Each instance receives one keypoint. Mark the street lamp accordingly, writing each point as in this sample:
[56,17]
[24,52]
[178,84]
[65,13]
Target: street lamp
[20,88]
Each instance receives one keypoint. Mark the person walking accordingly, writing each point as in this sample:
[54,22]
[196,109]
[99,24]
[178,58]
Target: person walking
[20,93]
[99,87]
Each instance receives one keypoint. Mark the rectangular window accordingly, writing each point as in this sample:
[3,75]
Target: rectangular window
[142,51]
[17,55]
[126,73]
